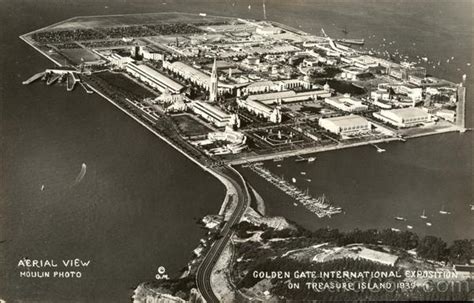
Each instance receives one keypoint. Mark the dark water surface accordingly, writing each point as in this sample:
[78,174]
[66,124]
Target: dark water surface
[136,207]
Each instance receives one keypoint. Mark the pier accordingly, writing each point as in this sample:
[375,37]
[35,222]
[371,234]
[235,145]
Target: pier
[53,79]
[33,78]
[318,206]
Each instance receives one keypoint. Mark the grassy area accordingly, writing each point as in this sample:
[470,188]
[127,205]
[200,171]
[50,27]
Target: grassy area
[122,83]
[77,55]
[189,126]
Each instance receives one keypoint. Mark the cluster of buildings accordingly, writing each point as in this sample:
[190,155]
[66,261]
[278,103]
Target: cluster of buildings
[153,78]
[267,69]
[235,142]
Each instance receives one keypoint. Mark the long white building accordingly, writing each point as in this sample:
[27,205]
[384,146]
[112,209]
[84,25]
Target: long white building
[153,78]
[213,114]
[404,117]
[346,104]
[260,109]
[194,75]
[345,125]
[289,96]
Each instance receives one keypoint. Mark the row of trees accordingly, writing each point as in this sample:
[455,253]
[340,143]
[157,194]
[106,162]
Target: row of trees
[429,247]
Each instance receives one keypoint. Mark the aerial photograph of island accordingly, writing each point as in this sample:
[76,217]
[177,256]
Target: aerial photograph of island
[236,151]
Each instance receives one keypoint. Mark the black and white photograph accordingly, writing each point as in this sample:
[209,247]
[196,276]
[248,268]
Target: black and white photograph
[173,151]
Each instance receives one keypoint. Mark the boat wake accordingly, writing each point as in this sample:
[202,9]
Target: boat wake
[81,174]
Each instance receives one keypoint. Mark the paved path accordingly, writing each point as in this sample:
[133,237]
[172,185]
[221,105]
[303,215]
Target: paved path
[203,276]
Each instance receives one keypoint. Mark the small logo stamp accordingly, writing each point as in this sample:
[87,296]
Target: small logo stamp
[161,274]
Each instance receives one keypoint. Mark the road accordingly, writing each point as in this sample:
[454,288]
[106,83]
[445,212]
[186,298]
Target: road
[203,276]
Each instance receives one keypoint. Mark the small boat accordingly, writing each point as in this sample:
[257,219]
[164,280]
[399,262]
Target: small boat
[311,159]
[42,187]
[279,159]
[293,180]
[278,165]
[423,216]
[472,206]
[400,219]
[308,180]
[379,150]
[428,223]
[395,229]
[295,204]
[444,212]
[303,173]
[409,227]
[300,159]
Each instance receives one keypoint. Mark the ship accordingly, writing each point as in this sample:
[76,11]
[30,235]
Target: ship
[444,212]
[351,41]
[423,216]
[300,159]
[400,219]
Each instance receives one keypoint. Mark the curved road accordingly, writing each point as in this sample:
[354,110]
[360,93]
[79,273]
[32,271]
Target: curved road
[203,276]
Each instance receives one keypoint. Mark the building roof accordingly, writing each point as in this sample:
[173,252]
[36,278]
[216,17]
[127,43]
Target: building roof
[258,106]
[406,113]
[344,121]
[348,101]
[272,96]
[152,73]
[211,110]
[191,71]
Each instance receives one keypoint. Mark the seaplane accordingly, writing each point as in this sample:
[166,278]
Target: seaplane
[400,219]
[423,216]
[444,212]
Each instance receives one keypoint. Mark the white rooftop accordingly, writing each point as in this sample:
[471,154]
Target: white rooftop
[408,112]
[349,120]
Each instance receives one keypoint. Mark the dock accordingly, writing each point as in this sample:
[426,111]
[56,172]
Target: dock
[33,78]
[319,206]
[86,88]
[53,79]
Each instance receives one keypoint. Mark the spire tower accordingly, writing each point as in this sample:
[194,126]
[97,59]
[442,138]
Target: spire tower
[213,84]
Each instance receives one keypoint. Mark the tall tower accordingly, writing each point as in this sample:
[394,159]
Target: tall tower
[461,104]
[213,84]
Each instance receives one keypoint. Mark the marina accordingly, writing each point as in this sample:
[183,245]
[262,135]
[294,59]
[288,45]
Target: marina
[319,206]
